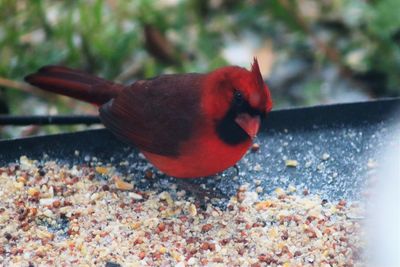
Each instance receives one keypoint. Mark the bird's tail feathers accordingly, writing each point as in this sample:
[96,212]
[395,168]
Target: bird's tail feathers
[74,83]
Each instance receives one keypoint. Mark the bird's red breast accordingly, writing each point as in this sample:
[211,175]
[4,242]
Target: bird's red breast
[187,125]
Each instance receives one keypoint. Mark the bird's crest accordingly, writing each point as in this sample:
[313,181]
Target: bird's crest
[255,70]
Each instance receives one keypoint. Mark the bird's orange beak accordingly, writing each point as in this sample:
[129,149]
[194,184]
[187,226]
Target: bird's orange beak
[249,124]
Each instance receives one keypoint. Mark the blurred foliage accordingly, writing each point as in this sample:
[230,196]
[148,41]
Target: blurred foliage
[127,40]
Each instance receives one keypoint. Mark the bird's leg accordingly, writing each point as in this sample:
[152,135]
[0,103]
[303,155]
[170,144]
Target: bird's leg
[236,167]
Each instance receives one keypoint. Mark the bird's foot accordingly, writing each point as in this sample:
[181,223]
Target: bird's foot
[202,196]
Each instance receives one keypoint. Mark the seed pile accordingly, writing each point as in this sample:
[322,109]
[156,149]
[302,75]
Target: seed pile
[54,214]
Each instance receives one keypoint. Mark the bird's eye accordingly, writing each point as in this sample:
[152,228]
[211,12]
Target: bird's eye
[238,97]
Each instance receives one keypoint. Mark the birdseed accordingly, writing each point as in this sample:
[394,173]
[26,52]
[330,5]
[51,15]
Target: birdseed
[84,216]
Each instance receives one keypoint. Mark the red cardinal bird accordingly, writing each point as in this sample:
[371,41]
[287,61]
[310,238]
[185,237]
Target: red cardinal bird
[187,125]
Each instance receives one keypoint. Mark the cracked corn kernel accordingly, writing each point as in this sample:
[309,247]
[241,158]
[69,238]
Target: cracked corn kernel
[101,170]
[291,163]
[192,209]
[18,185]
[122,185]
[263,205]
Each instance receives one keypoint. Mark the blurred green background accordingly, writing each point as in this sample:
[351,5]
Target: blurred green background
[310,52]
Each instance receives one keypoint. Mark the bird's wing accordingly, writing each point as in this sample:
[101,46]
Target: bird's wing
[156,115]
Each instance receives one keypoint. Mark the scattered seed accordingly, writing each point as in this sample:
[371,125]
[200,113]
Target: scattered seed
[291,163]
[122,185]
[206,227]
[325,156]
[192,210]
[255,147]
[70,215]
